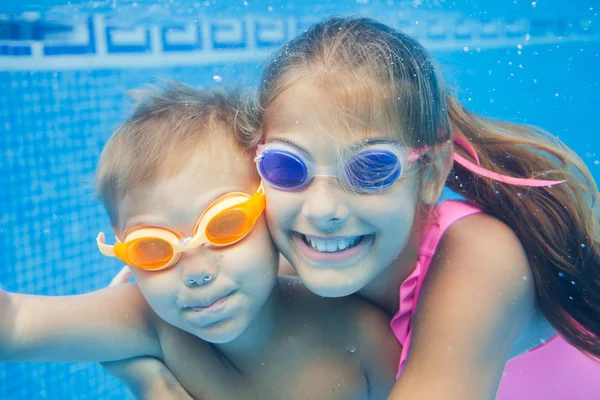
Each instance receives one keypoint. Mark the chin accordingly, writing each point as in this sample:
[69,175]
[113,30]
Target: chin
[223,332]
[328,287]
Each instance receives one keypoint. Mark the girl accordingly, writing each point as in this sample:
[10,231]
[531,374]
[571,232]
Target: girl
[359,137]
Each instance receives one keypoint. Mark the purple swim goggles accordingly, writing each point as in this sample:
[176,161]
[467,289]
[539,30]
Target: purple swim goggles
[373,168]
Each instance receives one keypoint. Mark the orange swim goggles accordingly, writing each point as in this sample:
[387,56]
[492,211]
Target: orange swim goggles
[225,221]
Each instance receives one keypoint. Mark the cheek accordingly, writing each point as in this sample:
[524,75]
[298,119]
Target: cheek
[253,263]
[159,288]
[281,208]
[392,213]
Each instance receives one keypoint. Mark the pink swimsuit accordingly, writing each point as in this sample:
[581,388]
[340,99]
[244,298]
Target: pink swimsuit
[554,370]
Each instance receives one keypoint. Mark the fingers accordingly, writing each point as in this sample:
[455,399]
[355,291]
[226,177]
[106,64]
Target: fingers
[123,276]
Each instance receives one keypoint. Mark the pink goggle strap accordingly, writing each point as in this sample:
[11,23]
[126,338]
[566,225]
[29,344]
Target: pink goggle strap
[494,175]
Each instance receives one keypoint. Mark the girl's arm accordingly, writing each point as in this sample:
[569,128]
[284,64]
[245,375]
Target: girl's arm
[109,324]
[477,297]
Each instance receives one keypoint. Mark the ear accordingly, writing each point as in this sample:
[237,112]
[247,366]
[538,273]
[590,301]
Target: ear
[433,178]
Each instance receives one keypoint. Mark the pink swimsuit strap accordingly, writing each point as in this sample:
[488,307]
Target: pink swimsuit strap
[445,214]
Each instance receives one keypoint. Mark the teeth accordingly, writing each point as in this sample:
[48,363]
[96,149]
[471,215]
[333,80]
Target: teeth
[321,245]
[331,245]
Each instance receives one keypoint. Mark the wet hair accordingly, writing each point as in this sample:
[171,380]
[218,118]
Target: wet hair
[169,125]
[387,70]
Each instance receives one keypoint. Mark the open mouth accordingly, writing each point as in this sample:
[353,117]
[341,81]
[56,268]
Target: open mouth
[333,245]
[341,249]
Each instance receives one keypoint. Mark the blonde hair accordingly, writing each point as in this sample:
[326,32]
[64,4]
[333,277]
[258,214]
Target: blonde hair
[168,125]
[558,226]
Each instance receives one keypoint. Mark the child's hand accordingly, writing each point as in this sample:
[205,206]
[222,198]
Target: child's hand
[123,276]
[147,377]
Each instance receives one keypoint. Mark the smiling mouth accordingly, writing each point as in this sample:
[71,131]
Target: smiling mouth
[333,245]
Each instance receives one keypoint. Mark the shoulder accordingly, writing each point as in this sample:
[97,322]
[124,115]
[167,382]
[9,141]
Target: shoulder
[479,257]
[129,298]
[359,324]
[372,328]
[476,299]
[353,315]
[348,322]
[128,302]
[379,348]
[481,238]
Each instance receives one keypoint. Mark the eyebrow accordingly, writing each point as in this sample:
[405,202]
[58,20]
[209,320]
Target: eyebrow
[294,145]
[352,147]
[369,142]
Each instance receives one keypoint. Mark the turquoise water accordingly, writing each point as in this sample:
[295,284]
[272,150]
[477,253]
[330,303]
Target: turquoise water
[64,69]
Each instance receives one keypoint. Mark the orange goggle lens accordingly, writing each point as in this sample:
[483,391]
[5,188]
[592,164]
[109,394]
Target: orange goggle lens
[149,253]
[228,227]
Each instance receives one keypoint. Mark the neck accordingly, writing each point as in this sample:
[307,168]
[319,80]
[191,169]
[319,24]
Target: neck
[384,291]
[259,332]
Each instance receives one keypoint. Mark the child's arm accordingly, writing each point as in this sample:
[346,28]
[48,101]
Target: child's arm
[148,378]
[477,297]
[109,324]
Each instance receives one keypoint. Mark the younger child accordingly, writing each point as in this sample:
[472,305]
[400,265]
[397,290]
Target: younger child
[180,188]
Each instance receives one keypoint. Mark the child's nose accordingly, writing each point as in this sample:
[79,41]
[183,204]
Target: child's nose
[197,267]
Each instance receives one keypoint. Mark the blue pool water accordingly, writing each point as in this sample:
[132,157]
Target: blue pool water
[65,67]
